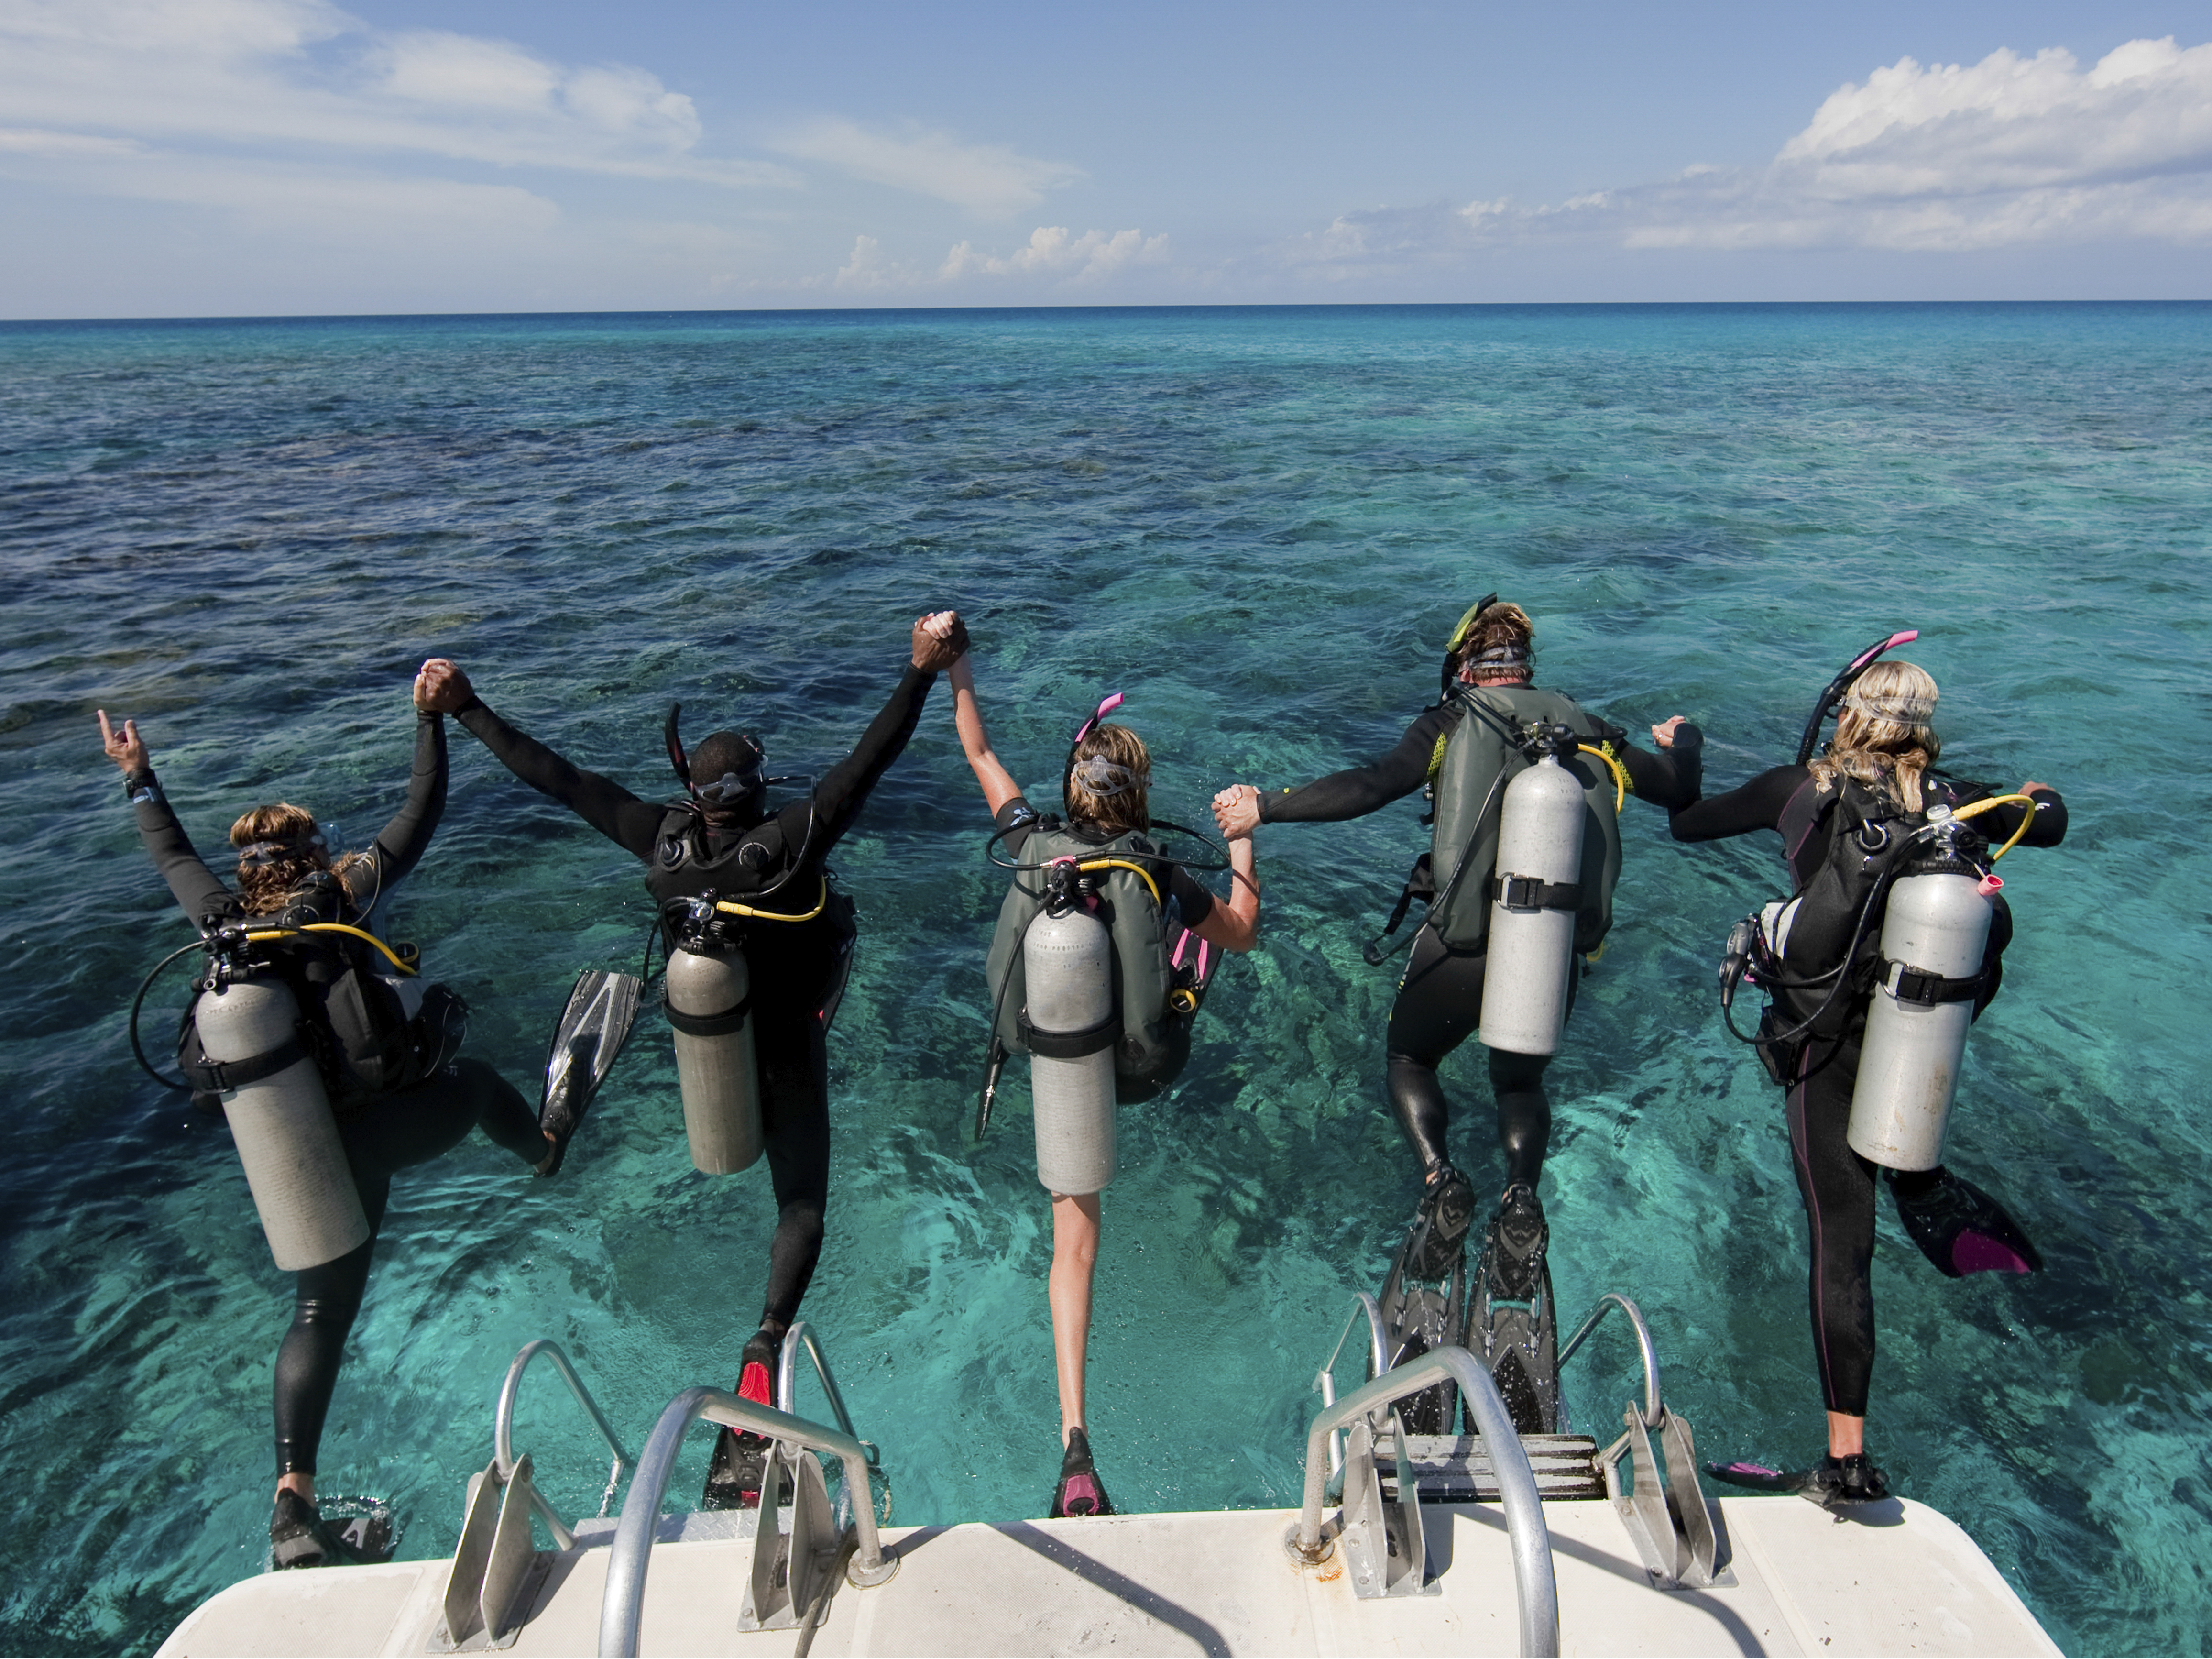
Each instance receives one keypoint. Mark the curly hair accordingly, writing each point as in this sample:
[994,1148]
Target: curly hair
[1884,738]
[295,851]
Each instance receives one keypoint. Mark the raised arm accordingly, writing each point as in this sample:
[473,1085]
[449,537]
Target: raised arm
[937,640]
[399,846]
[608,807]
[998,785]
[195,887]
[1350,794]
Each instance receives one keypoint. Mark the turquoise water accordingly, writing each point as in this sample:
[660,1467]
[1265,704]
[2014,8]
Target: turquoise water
[1259,524]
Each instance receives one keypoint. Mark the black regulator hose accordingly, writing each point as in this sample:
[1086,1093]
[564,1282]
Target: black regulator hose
[138,1053]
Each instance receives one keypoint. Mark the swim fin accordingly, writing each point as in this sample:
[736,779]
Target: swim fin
[602,1009]
[1960,1228]
[1831,1483]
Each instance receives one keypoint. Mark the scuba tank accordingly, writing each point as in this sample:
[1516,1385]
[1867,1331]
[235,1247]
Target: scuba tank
[1533,900]
[1067,1024]
[1934,934]
[280,1117]
[709,1001]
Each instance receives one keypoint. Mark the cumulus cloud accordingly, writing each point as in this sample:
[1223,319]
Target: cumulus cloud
[306,76]
[985,179]
[1051,251]
[2007,152]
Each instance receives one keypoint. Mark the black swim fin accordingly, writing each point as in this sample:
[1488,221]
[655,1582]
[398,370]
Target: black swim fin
[601,1011]
[1831,1483]
[1960,1228]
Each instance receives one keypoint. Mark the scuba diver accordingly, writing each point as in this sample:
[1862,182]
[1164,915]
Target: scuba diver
[1862,827]
[760,949]
[1103,952]
[335,1071]
[1490,737]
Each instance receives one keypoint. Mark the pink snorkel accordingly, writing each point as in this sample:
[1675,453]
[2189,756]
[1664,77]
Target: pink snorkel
[1841,684]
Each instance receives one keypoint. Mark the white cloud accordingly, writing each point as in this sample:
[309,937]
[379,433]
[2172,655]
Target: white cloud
[1051,251]
[986,179]
[2008,152]
[305,77]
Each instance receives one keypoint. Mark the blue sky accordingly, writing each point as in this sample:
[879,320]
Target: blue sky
[221,157]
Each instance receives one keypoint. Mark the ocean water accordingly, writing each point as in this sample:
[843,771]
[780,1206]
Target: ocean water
[1259,525]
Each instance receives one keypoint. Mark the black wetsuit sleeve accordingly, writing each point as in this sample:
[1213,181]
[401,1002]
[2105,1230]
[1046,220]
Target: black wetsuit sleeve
[399,846]
[1363,789]
[1188,896]
[621,817]
[1754,805]
[1017,818]
[844,789]
[2047,828]
[1671,778]
[195,887]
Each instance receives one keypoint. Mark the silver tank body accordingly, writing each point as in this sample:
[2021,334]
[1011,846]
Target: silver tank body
[1532,952]
[1067,964]
[719,1077]
[286,1137]
[1909,1059]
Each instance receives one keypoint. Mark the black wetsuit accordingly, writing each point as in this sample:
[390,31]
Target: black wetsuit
[793,999]
[382,1136]
[1838,1185]
[1440,997]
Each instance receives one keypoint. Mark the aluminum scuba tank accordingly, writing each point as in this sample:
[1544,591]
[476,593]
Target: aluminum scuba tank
[1533,900]
[286,1137]
[1936,929]
[1067,967]
[714,1065]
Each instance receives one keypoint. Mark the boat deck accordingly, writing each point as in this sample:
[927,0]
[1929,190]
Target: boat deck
[1899,1579]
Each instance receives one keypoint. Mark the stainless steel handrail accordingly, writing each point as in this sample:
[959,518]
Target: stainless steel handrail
[801,1335]
[1378,1353]
[1517,1482]
[503,1432]
[1653,1409]
[622,1612]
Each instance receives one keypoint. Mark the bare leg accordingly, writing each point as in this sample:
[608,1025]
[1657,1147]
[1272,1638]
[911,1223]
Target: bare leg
[302,1484]
[1074,1259]
[1846,1435]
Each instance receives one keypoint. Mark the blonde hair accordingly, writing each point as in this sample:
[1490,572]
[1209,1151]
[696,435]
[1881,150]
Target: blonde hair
[1124,809]
[263,887]
[1885,738]
[1502,624]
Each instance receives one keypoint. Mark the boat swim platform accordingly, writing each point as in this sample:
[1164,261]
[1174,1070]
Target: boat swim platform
[1896,1578]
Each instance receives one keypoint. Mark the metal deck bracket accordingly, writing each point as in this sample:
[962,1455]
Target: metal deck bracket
[496,1573]
[1384,1543]
[793,1570]
[1665,1510]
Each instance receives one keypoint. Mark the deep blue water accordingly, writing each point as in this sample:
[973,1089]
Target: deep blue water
[1259,524]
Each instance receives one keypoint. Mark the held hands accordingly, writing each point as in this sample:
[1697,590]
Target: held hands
[441,688]
[1664,733]
[125,748]
[1236,809]
[940,639]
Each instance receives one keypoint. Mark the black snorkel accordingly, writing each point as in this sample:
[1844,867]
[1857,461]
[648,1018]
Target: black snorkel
[676,758]
[1841,684]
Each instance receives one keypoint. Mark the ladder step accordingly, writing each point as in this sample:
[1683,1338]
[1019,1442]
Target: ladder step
[1455,1468]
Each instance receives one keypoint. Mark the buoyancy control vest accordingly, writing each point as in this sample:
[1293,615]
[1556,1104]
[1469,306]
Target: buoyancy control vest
[1818,953]
[752,871]
[369,1032]
[1469,791]
[1154,1040]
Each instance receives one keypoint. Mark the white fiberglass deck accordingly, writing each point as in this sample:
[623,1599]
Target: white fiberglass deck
[1219,1581]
